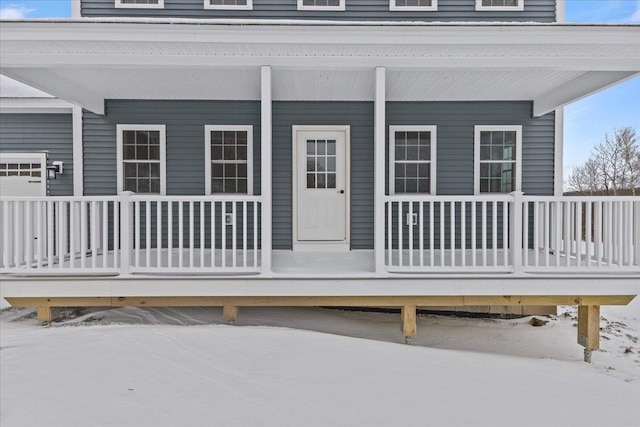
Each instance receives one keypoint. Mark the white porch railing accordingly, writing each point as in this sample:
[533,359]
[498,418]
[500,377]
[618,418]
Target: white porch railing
[129,234]
[194,234]
[186,235]
[512,234]
[448,233]
[55,235]
[578,234]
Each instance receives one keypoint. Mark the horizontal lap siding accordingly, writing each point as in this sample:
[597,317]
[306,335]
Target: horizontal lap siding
[455,123]
[359,116]
[53,133]
[364,10]
[185,122]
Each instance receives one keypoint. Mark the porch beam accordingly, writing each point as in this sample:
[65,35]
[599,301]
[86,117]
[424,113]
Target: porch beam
[379,168]
[266,167]
[48,81]
[585,85]
[331,301]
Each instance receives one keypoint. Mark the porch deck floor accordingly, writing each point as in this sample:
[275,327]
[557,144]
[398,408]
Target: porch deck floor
[325,264]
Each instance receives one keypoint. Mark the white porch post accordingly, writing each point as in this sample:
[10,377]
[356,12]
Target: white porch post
[78,159]
[379,175]
[266,166]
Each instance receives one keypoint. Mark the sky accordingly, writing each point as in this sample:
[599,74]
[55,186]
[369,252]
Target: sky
[586,120]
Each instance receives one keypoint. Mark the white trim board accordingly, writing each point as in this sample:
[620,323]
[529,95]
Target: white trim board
[163,153]
[34,106]
[338,245]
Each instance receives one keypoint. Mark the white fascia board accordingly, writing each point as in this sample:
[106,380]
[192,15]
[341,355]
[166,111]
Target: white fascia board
[46,81]
[238,31]
[34,106]
[585,85]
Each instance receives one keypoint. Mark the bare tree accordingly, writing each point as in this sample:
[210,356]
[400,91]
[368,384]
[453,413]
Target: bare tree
[613,167]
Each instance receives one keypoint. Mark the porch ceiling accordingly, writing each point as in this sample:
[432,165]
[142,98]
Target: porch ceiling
[89,61]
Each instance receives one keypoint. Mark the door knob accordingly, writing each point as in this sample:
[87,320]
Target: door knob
[341,191]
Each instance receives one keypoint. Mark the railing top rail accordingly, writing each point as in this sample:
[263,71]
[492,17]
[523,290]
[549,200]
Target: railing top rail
[60,199]
[199,198]
[451,198]
[582,198]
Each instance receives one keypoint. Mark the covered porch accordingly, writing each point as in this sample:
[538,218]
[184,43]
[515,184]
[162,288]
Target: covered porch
[112,247]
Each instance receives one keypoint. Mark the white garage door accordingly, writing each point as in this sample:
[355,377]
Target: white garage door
[23,174]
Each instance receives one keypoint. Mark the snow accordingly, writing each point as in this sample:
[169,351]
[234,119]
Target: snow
[313,366]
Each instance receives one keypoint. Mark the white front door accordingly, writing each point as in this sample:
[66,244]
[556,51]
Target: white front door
[321,184]
[23,174]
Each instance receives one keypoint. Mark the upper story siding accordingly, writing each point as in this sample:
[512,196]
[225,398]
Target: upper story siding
[356,10]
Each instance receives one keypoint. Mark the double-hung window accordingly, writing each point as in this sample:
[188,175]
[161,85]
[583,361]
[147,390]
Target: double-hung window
[498,153]
[413,5]
[321,4]
[229,160]
[229,4]
[140,4]
[141,152]
[498,5]
[412,159]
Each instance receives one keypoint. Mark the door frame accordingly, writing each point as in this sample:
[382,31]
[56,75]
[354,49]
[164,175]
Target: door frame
[41,156]
[343,245]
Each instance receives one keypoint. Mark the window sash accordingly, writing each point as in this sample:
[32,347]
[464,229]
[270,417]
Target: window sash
[416,155]
[239,180]
[156,176]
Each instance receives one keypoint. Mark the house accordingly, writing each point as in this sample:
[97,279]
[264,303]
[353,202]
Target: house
[397,153]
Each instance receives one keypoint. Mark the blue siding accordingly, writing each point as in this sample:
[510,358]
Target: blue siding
[52,133]
[185,122]
[356,10]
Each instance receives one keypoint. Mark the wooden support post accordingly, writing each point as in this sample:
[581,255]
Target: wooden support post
[589,329]
[47,314]
[408,314]
[230,313]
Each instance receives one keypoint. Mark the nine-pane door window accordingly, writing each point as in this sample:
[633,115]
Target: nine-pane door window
[141,158]
[497,152]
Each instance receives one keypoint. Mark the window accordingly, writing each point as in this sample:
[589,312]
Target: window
[141,158]
[229,159]
[497,159]
[140,4]
[229,4]
[413,5]
[412,159]
[499,4]
[321,163]
[321,4]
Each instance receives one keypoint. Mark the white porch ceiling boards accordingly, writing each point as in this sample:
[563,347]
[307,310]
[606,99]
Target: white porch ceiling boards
[87,61]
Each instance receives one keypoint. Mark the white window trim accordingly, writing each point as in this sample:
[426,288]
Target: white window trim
[476,154]
[392,155]
[248,6]
[207,156]
[394,7]
[120,5]
[341,6]
[480,7]
[163,153]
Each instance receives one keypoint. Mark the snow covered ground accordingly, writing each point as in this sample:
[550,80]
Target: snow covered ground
[312,366]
